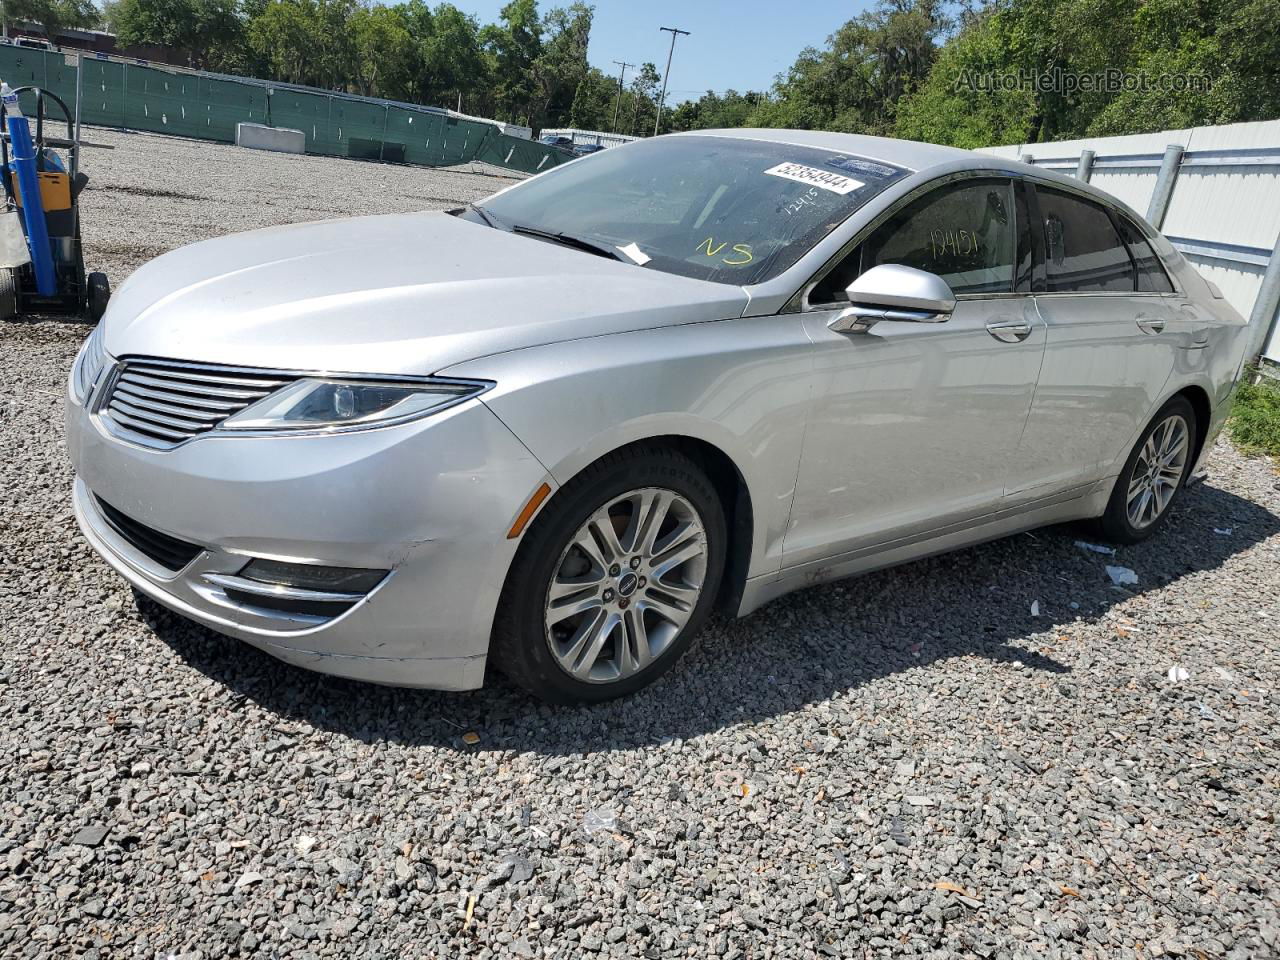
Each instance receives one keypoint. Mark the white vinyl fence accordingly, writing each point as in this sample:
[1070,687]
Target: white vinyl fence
[1213,191]
[598,137]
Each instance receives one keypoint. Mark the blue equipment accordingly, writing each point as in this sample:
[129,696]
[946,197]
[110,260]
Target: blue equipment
[42,195]
[24,165]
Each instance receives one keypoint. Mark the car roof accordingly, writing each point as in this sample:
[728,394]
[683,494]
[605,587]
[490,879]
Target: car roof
[908,154]
[915,156]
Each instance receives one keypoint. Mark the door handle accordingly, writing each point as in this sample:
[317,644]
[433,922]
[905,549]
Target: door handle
[1152,325]
[1009,331]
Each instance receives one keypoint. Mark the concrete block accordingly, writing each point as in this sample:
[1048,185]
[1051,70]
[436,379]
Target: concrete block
[256,136]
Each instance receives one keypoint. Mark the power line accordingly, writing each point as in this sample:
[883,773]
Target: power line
[666,76]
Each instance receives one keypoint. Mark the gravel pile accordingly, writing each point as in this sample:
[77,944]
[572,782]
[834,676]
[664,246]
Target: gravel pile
[998,753]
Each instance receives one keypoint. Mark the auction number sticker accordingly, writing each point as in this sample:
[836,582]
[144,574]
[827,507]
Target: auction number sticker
[822,179]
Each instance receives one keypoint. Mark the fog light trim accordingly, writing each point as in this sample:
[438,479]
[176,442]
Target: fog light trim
[308,579]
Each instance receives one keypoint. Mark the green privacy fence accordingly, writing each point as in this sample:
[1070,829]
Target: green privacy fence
[143,97]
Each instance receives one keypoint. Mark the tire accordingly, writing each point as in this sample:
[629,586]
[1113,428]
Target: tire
[537,641]
[99,295]
[1132,517]
[8,293]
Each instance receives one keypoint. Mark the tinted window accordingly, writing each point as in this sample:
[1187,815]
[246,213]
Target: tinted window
[1082,250]
[716,208]
[964,232]
[1151,275]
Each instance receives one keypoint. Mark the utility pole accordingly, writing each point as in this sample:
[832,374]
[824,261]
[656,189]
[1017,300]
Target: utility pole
[666,76]
[617,101]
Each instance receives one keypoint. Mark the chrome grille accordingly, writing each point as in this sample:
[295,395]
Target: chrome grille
[162,403]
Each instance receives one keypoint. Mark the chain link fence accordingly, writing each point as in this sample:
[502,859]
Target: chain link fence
[208,106]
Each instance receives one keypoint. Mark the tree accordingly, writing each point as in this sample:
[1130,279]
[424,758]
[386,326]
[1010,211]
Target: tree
[280,38]
[868,66]
[643,101]
[513,46]
[1232,46]
[561,65]
[451,64]
[385,52]
[209,31]
[1149,65]
[53,16]
[714,110]
[593,101]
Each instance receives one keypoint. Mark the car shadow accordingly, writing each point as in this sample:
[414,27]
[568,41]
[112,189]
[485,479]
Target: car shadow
[804,648]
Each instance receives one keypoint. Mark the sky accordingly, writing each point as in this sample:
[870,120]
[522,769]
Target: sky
[741,44]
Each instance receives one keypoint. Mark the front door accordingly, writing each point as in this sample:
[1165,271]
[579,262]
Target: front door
[912,426]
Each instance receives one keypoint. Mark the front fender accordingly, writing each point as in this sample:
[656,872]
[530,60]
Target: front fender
[741,385]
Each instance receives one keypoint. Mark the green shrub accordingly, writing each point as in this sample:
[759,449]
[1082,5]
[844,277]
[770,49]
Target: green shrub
[1255,416]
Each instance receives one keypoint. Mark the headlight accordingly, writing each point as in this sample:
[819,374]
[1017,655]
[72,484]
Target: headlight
[314,404]
[88,364]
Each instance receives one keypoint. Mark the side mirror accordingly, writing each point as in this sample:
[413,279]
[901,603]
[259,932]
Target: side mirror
[892,291]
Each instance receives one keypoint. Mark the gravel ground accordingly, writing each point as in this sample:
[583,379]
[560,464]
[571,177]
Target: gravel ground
[918,762]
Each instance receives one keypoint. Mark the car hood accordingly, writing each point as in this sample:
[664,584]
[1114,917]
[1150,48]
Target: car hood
[400,294]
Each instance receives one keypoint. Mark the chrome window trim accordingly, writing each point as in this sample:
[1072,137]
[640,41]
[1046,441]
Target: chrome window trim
[103,392]
[799,301]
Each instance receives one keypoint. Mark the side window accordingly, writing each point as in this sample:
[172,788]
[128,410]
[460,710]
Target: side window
[1151,275]
[1082,250]
[964,232]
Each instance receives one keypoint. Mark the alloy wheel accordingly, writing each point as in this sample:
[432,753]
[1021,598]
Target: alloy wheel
[626,584]
[1157,471]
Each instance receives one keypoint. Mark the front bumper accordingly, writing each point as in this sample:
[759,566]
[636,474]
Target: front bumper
[431,501]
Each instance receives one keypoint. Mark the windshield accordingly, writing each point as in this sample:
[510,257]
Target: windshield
[714,208]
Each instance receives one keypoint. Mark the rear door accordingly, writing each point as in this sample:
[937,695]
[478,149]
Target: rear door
[912,426]
[1109,352]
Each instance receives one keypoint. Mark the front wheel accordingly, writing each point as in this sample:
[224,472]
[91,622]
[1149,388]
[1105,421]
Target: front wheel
[1153,476]
[613,580]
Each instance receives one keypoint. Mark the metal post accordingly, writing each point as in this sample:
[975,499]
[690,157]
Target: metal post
[667,75]
[1165,180]
[1084,169]
[1027,158]
[382,144]
[1262,318]
[617,101]
[75,154]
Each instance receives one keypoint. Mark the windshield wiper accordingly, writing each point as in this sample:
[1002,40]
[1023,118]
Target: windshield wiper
[486,216]
[569,240]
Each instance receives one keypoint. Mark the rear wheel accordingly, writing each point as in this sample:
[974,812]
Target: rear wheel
[1153,476]
[614,579]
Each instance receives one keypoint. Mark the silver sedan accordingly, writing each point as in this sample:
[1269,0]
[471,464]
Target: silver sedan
[556,429]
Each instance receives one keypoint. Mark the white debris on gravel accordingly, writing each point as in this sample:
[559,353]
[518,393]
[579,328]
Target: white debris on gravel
[1122,576]
[161,784]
